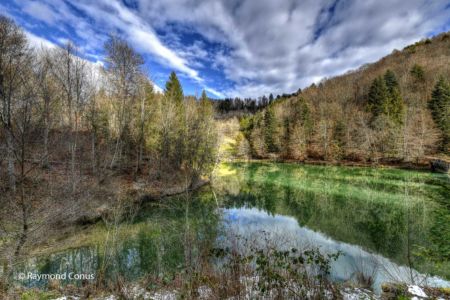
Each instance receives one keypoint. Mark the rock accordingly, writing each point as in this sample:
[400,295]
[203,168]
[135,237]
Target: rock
[440,165]
[392,291]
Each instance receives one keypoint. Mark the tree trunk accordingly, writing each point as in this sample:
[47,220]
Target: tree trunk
[45,159]
[46,130]
[10,159]
[94,160]
[24,234]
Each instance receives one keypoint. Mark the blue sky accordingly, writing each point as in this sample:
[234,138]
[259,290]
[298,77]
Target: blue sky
[245,48]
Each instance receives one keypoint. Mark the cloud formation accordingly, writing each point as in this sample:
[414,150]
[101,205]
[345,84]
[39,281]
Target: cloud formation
[245,47]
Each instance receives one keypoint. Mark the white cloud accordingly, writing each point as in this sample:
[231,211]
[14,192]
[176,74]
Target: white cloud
[38,42]
[40,11]
[266,46]
[274,47]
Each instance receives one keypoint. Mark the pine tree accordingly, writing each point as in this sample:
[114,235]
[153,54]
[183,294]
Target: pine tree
[418,73]
[440,109]
[395,105]
[173,90]
[385,98]
[378,97]
[269,130]
[391,81]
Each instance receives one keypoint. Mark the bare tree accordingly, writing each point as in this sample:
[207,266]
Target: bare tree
[123,68]
[69,70]
[15,60]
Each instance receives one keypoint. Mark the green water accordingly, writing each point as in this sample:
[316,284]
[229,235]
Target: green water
[382,219]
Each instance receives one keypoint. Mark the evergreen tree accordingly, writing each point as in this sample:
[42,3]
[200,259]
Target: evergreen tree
[418,73]
[391,81]
[440,109]
[173,90]
[302,118]
[378,97]
[206,107]
[174,120]
[395,105]
[269,130]
[385,98]
[204,97]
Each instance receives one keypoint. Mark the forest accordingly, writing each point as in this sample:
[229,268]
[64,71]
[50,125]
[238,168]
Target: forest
[73,134]
[394,110]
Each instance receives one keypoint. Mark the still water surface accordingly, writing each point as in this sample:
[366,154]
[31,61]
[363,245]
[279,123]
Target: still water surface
[382,221]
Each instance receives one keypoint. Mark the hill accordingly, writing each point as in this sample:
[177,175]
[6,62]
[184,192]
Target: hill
[381,112]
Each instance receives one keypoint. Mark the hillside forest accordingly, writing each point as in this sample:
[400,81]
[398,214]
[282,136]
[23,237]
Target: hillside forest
[394,110]
[74,135]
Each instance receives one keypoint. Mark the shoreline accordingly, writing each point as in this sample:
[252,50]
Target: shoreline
[422,166]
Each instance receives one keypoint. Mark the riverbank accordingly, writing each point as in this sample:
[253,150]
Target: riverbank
[421,165]
[66,213]
[235,147]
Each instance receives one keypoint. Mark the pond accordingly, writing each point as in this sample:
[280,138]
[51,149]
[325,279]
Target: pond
[388,224]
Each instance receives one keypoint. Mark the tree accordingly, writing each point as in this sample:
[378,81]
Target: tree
[395,104]
[70,73]
[15,63]
[391,80]
[418,73]
[145,113]
[123,65]
[339,136]
[378,101]
[172,129]
[201,138]
[47,91]
[385,98]
[173,90]
[270,130]
[440,109]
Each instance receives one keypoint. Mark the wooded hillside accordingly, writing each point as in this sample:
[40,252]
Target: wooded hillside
[396,109]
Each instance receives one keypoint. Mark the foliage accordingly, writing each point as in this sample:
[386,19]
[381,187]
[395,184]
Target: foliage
[174,91]
[282,273]
[440,110]
[269,130]
[383,106]
[418,73]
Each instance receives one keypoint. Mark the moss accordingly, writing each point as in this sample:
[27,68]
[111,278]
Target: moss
[39,295]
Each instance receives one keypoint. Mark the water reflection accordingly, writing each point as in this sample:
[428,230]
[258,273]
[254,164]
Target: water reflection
[381,220]
[254,226]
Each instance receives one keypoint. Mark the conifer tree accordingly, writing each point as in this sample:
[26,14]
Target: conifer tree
[391,81]
[173,90]
[395,104]
[418,73]
[269,130]
[385,98]
[440,109]
[378,97]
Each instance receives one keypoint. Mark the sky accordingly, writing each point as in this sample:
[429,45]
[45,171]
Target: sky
[236,48]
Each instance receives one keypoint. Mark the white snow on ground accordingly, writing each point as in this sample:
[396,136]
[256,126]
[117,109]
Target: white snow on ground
[357,294]
[416,291]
